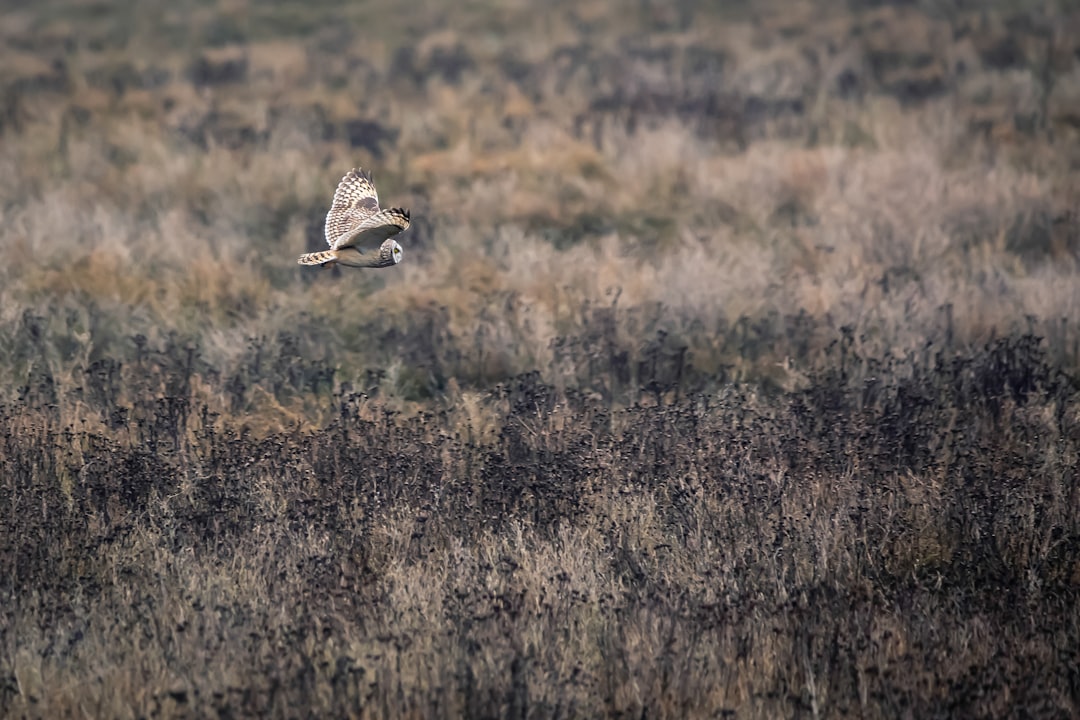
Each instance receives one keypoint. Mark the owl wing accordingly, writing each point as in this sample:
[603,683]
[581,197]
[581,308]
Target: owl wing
[355,201]
[371,232]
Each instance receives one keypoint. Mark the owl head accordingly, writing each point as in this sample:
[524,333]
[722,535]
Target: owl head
[390,253]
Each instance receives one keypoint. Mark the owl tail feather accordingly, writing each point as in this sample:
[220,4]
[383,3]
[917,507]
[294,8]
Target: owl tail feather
[318,258]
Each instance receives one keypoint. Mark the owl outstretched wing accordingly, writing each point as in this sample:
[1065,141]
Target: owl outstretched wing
[355,202]
[371,232]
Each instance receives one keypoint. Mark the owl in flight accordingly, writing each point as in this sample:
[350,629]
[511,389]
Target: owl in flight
[360,232]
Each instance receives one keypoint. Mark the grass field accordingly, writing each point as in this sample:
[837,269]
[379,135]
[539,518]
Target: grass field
[732,370]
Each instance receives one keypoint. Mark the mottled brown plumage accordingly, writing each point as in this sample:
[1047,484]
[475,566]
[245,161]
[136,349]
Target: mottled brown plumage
[357,230]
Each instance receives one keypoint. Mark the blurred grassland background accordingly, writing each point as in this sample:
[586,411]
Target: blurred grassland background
[730,369]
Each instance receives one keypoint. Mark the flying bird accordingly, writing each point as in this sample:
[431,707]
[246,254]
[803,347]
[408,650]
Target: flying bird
[358,231]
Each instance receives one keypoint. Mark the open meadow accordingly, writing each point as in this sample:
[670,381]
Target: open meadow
[732,368]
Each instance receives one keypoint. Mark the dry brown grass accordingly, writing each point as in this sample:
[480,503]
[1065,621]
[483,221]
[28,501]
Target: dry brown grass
[730,370]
